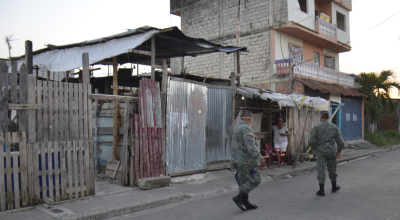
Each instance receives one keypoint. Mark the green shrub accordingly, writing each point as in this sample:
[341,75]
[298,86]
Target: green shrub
[383,138]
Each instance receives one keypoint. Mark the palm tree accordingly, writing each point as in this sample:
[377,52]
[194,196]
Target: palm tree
[377,87]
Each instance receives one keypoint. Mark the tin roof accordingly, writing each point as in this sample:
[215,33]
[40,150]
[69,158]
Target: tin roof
[332,89]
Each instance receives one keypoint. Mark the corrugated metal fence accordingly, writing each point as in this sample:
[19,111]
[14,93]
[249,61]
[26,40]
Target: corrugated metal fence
[219,124]
[186,130]
[199,125]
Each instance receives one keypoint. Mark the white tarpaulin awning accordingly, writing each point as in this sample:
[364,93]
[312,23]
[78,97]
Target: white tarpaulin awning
[295,100]
[71,58]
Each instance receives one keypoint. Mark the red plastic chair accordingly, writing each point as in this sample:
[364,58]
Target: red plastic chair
[276,153]
[264,153]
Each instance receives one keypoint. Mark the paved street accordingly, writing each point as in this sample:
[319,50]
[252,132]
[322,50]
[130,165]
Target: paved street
[370,190]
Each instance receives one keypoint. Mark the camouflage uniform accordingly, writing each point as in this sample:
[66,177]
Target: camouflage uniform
[246,157]
[322,140]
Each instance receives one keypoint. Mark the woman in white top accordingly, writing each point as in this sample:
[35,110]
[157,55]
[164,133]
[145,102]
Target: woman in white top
[281,133]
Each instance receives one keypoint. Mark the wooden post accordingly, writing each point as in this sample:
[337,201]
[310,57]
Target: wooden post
[301,141]
[96,101]
[115,103]
[29,56]
[85,68]
[48,75]
[67,76]
[153,57]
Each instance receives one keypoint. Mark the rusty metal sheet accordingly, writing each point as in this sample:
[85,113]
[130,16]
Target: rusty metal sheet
[332,89]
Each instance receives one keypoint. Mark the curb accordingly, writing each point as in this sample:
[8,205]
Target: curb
[130,208]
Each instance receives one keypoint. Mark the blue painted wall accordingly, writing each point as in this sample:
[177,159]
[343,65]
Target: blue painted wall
[351,126]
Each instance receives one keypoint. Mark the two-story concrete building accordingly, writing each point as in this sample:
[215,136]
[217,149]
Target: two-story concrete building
[294,46]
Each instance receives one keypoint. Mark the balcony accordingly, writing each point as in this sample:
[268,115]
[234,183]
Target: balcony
[307,27]
[311,71]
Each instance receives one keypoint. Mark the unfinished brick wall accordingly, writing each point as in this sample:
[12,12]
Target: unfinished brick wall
[215,20]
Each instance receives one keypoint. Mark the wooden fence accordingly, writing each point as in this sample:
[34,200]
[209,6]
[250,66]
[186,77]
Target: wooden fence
[58,170]
[48,144]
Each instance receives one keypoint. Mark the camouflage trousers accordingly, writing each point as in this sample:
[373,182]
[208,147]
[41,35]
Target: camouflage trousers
[247,177]
[328,160]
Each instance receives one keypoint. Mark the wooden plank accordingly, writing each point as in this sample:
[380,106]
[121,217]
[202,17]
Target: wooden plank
[51,111]
[56,101]
[71,111]
[91,188]
[76,176]
[155,66]
[63,171]
[89,106]
[4,121]
[26,187]
[85,68]
[61,112]
[39,112]
[23,98]
[76,114]
[22,107]
[113,97]
[70,169]
[56,150]
[50,170]
[142,52]
[115,131]
[112,168]
[9,171]
[80,112]
[31,113]
[115,76]
[34,148]
[14,82]
[29,56]
[137,145]
[16,181]
[88,172]
[81,168]
[95,133]
[43,146]
[2,171]
[86,127]
[124,150]
[66,111]
[153,57]
[45,116]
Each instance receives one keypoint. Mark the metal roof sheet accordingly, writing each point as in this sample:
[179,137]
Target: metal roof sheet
[332,89]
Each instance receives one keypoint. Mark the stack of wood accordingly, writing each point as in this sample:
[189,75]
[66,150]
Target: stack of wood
[149,160]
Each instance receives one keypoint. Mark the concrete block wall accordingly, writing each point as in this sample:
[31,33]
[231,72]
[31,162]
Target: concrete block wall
[280,12]
[215,20]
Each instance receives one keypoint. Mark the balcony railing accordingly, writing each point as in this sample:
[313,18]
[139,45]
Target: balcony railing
[326,27]
[310,70]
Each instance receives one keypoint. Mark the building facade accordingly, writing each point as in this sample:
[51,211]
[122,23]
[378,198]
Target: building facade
[293,45]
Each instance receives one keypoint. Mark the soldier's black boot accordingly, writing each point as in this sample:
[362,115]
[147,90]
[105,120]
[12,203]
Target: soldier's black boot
[335,187]
[239,200]
[247,203]
[321,191]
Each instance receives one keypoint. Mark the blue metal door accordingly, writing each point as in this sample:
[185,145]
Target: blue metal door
[351,119]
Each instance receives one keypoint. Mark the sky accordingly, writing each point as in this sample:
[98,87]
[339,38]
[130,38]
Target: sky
[63,22]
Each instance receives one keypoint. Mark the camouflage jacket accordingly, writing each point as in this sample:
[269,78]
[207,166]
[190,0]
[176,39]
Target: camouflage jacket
[244,146]
[323,138]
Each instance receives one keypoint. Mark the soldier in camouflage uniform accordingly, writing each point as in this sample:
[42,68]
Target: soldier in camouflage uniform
[246,158]
[322,141]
